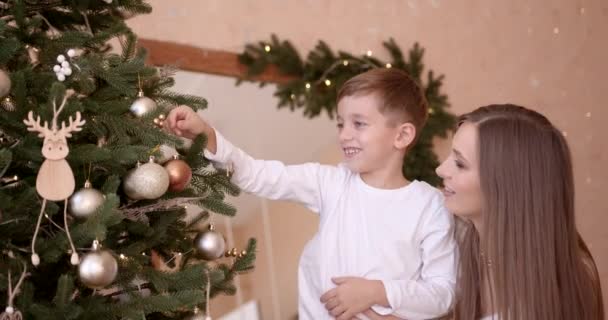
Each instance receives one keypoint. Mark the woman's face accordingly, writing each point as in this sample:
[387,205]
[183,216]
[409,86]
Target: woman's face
[460,174]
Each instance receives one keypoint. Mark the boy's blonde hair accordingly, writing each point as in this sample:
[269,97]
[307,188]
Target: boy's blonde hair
[399,96]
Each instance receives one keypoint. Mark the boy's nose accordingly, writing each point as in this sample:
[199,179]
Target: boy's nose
[345,135]
[440,171]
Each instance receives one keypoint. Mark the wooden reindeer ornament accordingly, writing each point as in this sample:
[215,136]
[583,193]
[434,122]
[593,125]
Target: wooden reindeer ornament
[11,313]
[55,180]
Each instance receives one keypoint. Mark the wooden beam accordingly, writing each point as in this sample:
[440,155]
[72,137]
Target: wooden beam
[190,58]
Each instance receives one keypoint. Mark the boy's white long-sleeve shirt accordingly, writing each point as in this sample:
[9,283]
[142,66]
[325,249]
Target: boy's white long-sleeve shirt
[403,237]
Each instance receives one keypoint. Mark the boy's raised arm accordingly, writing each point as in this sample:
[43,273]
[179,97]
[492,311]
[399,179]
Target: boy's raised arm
[268,179]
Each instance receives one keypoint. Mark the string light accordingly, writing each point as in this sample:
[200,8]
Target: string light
[307,86]
[369,53]
[327,82]
[388,65]
[267,48]
[345,62]
[293,96]
[122,256]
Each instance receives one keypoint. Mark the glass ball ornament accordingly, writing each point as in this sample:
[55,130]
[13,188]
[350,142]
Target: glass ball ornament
[84,202]
[180,174]
[142,105]
[98,268]
[210,244]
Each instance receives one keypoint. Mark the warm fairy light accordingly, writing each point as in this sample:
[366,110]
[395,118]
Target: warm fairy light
[369,53]
[388,65]
[345,62]
[122,256]
[327,82]
[267,48]
[307,86]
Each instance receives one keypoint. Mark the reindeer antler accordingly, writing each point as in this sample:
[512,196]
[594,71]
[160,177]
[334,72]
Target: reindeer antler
[75,125]
[56,112]
[34,125]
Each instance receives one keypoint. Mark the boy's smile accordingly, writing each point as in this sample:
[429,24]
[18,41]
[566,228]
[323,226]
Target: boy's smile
[350,152]
[367,140]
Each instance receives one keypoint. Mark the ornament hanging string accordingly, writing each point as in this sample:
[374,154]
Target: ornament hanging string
[208,295]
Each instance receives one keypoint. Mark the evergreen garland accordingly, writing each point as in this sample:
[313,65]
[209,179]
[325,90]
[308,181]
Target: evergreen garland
[316,80]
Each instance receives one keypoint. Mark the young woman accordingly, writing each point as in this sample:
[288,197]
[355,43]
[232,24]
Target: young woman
[509,181]
[509,177]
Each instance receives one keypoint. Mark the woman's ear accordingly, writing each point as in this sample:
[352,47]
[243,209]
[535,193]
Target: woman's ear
[405,135]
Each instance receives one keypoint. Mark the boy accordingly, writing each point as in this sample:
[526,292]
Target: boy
[392,237]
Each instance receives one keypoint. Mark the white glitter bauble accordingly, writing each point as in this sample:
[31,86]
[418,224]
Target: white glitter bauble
[147,181]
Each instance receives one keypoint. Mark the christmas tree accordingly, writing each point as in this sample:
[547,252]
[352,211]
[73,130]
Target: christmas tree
[92,205]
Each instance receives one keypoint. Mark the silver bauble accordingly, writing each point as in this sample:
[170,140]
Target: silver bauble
[147,181]
[5,83]
[142,105]
[166,153]
[97,269]
[210,244]
[84,202]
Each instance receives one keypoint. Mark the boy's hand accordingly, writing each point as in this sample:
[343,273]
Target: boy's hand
[184,122]
[352,296]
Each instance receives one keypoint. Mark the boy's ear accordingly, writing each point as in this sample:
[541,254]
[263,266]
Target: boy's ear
[405,135]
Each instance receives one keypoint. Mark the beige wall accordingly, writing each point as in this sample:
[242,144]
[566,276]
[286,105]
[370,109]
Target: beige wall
[549,55]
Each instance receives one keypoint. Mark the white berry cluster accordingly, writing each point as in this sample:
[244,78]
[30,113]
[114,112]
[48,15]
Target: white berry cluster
[64,69]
